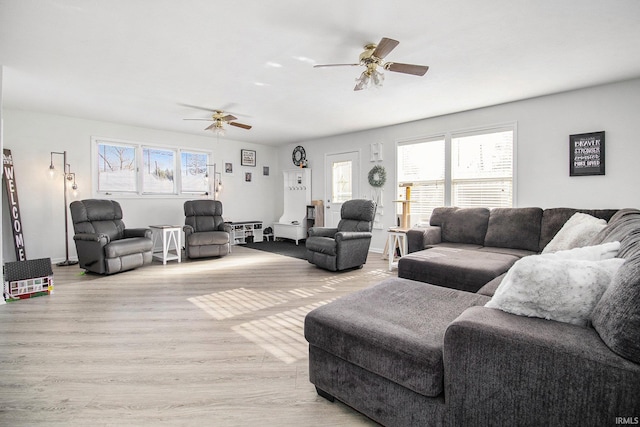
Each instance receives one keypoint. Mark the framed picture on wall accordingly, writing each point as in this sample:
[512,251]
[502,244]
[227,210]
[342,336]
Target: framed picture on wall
[265,170]
[228,168]
[586,154]
[247,177]
[247,157]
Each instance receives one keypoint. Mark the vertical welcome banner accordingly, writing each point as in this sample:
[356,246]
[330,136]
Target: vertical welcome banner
[14,207]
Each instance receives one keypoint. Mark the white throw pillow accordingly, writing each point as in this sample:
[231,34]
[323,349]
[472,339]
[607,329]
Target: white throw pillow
[554,288]
[576,232]
[589,253]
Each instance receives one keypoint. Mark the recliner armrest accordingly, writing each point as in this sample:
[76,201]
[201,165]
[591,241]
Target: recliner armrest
[138,232]
[322,231]
[420,238]
[352,235]
[103,239]
[187,230]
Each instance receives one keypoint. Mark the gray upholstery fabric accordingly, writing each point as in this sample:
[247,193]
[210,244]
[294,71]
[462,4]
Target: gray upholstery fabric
[616,317]
[346,246]
[515,228]
[554,218]
[103,243]
[490,288]
[508,370]
[206,234]
[420,238]
[467,270]
[403,342]
[382,400]
[459,225]
[96,216]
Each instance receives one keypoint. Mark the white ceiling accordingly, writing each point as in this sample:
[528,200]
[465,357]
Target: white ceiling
[138,62]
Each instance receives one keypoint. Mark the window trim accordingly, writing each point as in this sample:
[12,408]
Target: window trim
[139,147]
[448,136]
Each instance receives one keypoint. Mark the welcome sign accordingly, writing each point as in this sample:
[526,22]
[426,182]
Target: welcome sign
[14,206]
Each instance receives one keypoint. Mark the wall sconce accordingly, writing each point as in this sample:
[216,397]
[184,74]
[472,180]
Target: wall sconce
[70,177]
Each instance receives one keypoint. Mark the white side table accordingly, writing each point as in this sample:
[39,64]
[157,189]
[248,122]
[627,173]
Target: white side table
[397,238]
[167,234]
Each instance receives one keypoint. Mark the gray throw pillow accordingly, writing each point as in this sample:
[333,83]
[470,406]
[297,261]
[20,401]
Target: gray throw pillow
[616,317]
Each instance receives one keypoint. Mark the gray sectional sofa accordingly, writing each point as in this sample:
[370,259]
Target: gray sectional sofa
[406,352]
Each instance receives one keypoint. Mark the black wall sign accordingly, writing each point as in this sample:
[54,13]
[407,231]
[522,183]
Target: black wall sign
[586,154]
[14,207]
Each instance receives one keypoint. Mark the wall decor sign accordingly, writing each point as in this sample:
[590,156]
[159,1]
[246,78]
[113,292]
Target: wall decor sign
[248,157]
[13,204]
[586,154]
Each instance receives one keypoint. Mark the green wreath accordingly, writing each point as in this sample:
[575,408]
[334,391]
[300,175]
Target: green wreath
[377,176]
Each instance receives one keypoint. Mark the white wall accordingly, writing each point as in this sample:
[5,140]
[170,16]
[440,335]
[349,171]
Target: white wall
[542,166]
[542,170]
[32,136]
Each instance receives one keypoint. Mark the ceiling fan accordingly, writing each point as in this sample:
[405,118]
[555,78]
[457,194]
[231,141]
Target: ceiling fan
[372,58]
[220,119]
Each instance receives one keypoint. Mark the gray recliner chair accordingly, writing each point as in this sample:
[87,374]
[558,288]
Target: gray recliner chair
[206,233]
[347,245]
[103,243]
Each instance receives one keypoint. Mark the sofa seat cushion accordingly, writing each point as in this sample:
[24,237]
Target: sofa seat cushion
[469,246]
[204,238]
[520,253]
[402,343]
[467,270]
[122,247]
[323,245]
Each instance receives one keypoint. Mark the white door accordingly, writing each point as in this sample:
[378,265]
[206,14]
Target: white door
[341,183]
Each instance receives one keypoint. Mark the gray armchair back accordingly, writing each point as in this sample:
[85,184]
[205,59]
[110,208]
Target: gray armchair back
[103,243]
[206,233]
[347,245]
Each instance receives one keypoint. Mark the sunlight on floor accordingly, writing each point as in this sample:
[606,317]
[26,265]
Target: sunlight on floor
[281,334]
[235,302]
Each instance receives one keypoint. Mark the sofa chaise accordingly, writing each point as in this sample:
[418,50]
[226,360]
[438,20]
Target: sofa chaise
[408,353]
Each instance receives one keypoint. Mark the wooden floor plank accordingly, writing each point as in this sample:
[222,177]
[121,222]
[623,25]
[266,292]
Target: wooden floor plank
[213,342]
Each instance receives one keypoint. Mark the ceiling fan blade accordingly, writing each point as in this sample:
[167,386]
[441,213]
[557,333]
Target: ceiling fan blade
[416,70]
[384,47]
[211,126]
[334,65]
[229,117]
[240,125]
[197,107]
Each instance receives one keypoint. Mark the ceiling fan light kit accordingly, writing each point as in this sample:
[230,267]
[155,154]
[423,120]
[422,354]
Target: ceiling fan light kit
[372,58]
[220,119]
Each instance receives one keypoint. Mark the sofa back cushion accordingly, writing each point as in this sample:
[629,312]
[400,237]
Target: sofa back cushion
[554,219]
[515,228]
[458,225]
[616,317]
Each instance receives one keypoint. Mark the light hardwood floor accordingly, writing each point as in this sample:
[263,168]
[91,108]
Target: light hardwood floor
[216,342]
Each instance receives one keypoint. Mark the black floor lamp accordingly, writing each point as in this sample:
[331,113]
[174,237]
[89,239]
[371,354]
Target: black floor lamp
[71,177]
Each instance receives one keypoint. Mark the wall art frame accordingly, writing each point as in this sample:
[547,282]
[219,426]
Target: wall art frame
[248,157]
[586,154]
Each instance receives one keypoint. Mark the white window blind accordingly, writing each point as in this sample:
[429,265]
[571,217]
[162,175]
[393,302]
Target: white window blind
[470,169]
[423,165]
[482,169]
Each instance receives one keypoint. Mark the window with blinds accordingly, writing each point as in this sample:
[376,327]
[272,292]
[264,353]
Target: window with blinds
[470,169]
[422,164]
[482,169]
